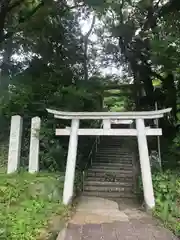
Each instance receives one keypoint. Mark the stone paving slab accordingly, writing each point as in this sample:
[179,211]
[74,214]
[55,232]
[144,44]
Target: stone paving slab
[113,231]
[88,223]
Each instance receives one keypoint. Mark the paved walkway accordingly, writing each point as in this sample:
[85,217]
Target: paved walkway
[102,219]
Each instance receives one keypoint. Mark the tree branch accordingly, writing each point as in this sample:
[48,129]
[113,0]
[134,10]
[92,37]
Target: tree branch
[91,28]
[23,20]
[3,13]
[68,7]
[15,4]
[157,4]
[121,13]
[169,7]
[77,6]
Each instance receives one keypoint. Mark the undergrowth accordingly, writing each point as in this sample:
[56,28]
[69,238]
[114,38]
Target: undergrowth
[27,202]
[167,195]
[3,156]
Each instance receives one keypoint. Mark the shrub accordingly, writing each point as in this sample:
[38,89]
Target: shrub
[167,194]
[28,202]
[3,155]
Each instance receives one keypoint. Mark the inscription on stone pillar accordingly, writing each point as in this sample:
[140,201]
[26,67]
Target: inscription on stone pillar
[34,145]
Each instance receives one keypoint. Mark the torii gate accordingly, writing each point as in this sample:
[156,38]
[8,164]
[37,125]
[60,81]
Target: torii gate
[140,131]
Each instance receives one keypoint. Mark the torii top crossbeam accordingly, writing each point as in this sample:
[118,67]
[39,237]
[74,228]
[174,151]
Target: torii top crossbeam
[109,115]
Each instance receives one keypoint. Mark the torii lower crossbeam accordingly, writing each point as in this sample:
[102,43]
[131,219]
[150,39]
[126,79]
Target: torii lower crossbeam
[109,132]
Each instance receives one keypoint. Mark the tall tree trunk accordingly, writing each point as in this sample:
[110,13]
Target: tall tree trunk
[4,4]
[86,41]
[6,66]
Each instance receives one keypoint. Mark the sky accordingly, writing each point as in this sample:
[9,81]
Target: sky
[85,26]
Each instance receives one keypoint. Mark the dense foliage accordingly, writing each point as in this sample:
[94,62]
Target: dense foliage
[167,193]
[45,69]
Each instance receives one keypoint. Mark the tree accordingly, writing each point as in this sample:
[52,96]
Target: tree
[136,25]
[22,10]
[14,14]
[50,74]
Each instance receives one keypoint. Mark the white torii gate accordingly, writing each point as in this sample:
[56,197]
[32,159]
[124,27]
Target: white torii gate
[140,131]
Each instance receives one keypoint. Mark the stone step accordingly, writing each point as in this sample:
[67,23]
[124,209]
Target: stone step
[115,145]
[112,168]
[114,148]
[114,162]
[115,156]
[110,155]
[114,171]
[107,189]
[113,141]
[110,149]
[113,159]
[112,165]
[110,138]
[107,184]
[110,174]
[102,178]
[113,153]
[109,195]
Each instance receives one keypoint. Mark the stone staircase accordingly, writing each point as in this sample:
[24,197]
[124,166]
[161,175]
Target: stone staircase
[111,174]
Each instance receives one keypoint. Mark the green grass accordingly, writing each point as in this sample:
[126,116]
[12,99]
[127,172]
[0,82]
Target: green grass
[3,157]
[27,203]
